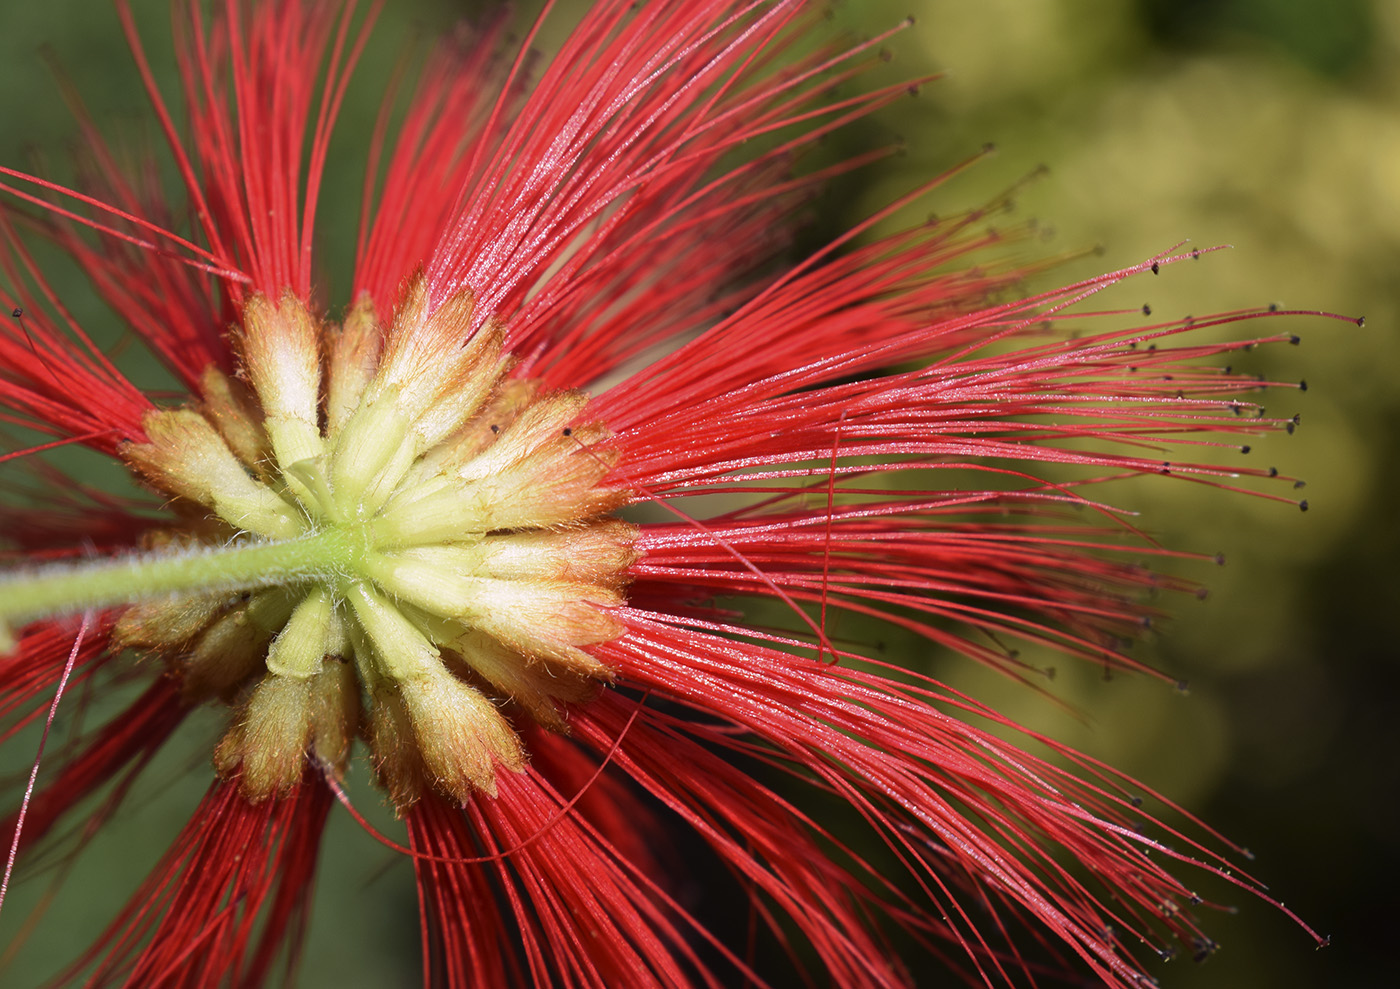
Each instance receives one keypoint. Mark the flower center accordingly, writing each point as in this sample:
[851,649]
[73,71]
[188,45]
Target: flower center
[377,516]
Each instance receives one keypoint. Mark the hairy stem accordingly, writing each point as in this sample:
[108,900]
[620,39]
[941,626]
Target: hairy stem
[241,566]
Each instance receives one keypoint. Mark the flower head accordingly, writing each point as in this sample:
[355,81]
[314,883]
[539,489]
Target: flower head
[554,515]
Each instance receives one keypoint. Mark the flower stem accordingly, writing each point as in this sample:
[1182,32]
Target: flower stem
[69,589]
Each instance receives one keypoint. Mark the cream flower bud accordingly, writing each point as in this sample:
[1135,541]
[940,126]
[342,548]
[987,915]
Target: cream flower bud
[281,353]
[285,719]
[353,356]
[186,456]
[460,734]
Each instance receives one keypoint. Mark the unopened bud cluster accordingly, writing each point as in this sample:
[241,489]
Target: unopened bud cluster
[438,544]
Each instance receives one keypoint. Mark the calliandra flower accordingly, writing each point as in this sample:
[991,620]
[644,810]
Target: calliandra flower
[555,515]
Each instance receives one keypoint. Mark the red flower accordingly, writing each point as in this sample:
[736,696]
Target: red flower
[411,525]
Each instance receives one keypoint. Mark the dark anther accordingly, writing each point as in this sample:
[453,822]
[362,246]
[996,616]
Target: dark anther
[1183,686]
[1360,320]
[1245,448]
[989,148]
[1219,559]
[1295,339]
[1229,368]
[1166,466]
[1299,484]
[495,428]
[568,431]
[1303,505]
[1135,801]
[1202,593]
[1273,307]
[1303,385]
[1156,267]
[1195,254]
[17,312]
[1273,472]
[1146,309]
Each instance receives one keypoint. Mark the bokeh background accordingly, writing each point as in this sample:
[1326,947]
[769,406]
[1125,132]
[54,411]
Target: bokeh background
[1269,125]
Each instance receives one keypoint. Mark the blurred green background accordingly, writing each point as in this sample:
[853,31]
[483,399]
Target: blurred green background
[1269,125]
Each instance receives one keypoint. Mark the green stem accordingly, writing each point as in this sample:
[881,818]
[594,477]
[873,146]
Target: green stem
[69,589]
